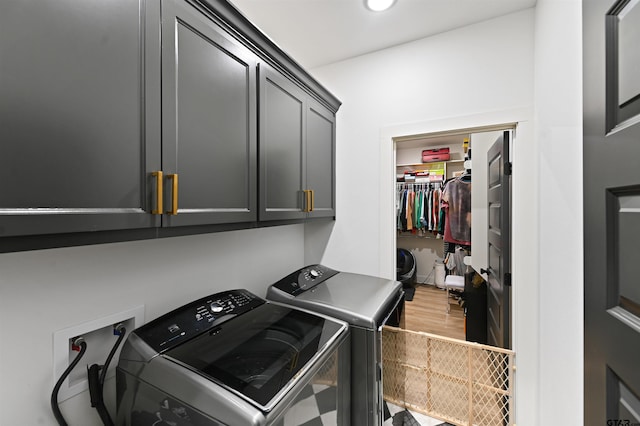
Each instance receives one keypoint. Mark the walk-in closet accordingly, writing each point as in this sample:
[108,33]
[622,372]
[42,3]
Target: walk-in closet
[451,358]
[443,230]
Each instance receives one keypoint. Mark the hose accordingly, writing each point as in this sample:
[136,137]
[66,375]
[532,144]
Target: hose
[54,395]
[121,332]
[96,383]
[95,392]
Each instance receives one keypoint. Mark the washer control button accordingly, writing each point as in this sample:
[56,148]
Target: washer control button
[216,307]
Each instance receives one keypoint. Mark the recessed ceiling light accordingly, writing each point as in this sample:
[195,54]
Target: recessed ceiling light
[379,5]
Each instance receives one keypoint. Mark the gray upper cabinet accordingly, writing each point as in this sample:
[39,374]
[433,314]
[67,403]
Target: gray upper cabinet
[209,121]
[321,146]
[282,148]
[72,151]
[297,151]
[122,114]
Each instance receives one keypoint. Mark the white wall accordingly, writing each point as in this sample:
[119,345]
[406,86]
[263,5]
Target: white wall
[45,291]
[454,74]
[558,117]
[495,72]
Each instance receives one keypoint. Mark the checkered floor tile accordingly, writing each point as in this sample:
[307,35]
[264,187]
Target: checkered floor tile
[398,416]
[316,407]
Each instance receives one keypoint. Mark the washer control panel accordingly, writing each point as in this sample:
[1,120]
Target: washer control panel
[192,319]
[304,279]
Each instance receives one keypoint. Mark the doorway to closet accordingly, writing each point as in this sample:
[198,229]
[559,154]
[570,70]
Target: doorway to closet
[462,278]
[453,361]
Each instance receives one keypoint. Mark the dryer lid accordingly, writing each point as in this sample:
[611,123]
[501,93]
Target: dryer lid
[361,300]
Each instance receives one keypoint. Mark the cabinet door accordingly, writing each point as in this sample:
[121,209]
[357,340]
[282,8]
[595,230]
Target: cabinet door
[282,150]
[320,145]
[72,156]
[209,120]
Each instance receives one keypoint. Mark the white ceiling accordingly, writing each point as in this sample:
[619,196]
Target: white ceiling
[320,32]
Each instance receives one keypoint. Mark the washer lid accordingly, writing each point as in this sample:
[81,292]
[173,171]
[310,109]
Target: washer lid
[360,300]
[261,354]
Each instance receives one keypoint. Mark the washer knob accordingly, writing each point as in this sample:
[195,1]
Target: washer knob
[314,273]
[216,307]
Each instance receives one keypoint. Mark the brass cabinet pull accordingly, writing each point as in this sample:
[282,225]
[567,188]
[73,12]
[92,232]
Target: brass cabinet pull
[159,192]
[307,201]
[174,194]
[313,199]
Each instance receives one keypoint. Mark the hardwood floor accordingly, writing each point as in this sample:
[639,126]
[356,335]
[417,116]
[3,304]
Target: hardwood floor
[453,380]
[427,312]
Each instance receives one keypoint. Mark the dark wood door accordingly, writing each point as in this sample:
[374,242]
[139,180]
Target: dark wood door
[209,124]
[611,96]
[499,247]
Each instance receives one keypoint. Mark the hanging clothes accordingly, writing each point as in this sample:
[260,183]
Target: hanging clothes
[402,211]
[417,212]
[454,261]
[399,194]
[418,207]
[410,205]
[435,209]
[456,200]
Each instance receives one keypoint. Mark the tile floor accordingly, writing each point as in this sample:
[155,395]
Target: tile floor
[316,407]
[398,416]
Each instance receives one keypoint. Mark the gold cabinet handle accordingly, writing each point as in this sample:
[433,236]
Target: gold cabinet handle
[307,201]
[313,199]
[159,192]
[174,193]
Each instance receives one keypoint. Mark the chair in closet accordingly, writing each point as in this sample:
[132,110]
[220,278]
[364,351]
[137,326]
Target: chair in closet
[453,282]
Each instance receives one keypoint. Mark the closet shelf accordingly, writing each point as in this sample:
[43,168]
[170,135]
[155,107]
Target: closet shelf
[435,162]
[416,236]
